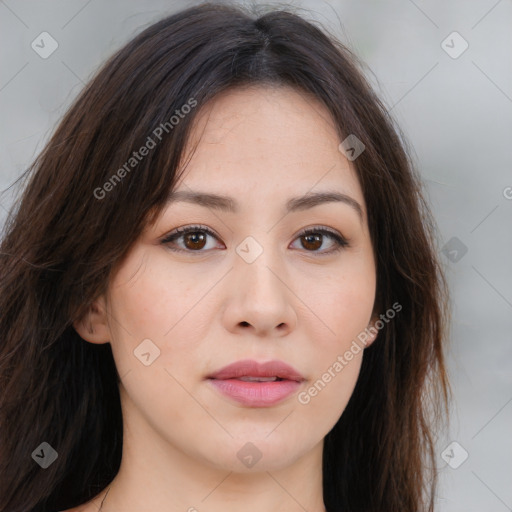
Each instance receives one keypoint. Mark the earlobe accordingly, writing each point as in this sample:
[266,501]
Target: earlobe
[372,330]
[93,326]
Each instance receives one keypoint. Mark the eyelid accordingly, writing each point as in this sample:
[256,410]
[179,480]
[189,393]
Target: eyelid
[175,233]
[340,240]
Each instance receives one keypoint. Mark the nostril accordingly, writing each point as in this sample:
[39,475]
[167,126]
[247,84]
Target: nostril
[245,324]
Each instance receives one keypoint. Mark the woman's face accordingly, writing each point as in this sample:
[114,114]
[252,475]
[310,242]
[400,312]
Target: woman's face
[255,289]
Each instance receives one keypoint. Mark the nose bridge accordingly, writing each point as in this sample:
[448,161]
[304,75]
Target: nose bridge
[258,295]
[256,264]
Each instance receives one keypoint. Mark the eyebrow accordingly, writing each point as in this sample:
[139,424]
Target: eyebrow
[228,204]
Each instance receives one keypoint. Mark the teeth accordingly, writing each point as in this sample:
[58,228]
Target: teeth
[258,379]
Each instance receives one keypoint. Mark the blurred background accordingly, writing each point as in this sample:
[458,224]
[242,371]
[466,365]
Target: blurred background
[444,71]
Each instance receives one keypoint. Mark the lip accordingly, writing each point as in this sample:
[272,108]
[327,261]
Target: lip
[256,394]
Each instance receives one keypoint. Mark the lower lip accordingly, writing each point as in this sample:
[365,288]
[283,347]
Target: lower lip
[256,394]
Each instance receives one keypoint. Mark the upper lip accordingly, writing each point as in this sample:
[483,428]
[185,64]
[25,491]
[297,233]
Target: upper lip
[250,368]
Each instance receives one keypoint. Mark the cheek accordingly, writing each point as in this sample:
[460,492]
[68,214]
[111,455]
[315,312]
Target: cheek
[343,307]
[327,395]
[335,357]
[150,297]
[151,300]
[340,294]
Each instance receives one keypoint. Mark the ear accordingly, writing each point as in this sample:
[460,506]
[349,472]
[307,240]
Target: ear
[93,326]
[372,330]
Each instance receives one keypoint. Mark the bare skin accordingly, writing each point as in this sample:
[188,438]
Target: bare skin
[300,301]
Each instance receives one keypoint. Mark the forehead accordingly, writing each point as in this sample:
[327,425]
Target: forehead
[267,141]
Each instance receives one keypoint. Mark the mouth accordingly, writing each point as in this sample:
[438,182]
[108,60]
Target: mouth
[256,384]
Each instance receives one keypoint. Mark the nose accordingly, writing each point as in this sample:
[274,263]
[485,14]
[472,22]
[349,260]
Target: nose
[259,299]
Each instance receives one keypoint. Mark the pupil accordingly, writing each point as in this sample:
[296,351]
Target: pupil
[196,238]
[312,240]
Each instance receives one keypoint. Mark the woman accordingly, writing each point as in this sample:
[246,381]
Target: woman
[220,286]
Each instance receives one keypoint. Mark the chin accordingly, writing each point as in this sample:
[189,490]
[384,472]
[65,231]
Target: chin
[254,454]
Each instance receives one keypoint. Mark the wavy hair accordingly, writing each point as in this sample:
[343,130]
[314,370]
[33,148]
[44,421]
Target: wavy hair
[63,241]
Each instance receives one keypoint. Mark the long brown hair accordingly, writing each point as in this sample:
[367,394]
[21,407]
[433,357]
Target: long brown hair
[68,232]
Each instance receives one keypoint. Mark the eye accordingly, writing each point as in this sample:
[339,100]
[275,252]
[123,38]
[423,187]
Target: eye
[193,238]
[312,239]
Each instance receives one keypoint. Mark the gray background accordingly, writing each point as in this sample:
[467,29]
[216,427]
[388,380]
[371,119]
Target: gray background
[456,113]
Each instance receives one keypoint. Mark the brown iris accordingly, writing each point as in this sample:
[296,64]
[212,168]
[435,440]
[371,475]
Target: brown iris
[312,242]
[195,240]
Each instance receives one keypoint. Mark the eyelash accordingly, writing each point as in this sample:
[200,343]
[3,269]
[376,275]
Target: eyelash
[339,240]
